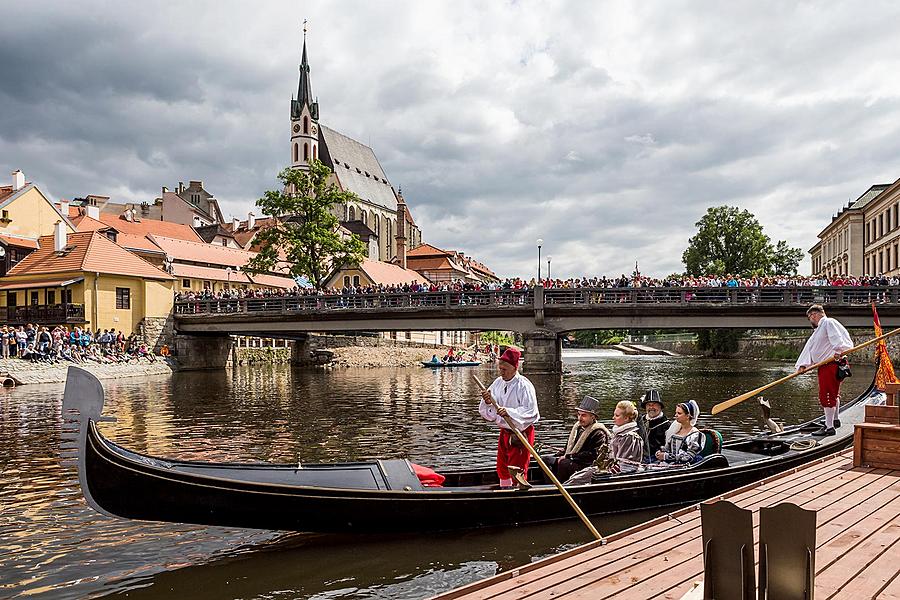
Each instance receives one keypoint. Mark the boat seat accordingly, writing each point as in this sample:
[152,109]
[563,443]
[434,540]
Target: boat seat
[399,475]
[727,533]
[713,461]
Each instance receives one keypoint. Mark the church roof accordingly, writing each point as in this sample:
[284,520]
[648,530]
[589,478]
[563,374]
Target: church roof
[304,90]
[357,168]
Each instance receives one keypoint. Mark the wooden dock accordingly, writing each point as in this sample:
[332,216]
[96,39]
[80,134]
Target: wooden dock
[857,543]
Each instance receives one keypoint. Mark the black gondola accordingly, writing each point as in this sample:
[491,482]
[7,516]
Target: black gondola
[385,495]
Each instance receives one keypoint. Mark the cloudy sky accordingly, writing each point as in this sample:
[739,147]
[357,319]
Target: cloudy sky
[605,128]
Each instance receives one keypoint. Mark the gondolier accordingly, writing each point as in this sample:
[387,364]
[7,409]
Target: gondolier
[513,395]
[830,338]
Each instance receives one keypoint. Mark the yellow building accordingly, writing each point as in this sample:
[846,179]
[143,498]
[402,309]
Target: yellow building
[25,215]
[84,279]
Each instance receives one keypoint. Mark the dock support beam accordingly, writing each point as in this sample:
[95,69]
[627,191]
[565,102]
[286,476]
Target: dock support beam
[196,352]
[543,352]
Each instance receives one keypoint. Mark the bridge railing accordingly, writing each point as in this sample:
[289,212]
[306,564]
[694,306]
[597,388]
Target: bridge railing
[775,295]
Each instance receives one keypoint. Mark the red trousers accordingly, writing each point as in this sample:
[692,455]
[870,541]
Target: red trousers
[515,456]
[829,385]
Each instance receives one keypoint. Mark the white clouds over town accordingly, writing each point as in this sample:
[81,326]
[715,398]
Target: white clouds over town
[605,128]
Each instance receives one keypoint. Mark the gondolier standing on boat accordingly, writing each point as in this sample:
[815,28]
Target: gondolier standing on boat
[830,338]
[513,395]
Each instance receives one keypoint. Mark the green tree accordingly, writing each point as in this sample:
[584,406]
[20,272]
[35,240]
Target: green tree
[730,241]
[305,237]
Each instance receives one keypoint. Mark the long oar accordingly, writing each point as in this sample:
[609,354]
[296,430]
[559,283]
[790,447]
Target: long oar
[546,469]
[738,399]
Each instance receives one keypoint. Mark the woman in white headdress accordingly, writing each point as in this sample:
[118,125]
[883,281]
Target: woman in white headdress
[684,442]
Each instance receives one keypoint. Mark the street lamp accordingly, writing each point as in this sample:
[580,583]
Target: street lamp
[539,244]
[549,258]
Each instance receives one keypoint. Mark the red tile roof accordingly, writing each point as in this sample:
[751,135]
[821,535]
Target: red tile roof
[151,227]
[201,252]
[21,242]
[86,251]
[213,273]
[5,191]
[388,274]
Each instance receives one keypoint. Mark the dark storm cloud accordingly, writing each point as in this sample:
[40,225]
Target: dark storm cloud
[606,129]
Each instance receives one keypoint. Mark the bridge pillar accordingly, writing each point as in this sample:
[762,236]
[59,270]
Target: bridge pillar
[300,351]
[195,352]
[543,352]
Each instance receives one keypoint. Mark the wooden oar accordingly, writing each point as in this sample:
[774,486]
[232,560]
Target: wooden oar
[547,470]
[738,399]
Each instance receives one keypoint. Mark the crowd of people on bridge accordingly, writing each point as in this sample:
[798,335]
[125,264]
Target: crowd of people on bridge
[60,344]
[520,284]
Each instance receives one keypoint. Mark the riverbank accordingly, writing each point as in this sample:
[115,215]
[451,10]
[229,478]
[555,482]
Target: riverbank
[26,371]
[381,356]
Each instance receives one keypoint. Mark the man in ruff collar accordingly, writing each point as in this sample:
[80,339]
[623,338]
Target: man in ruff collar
[653,423]
[585,439]
[513,395]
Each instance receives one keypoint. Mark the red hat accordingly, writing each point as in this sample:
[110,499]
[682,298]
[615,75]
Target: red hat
[511,356]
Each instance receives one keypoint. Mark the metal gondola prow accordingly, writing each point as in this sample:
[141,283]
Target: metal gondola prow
[83,401]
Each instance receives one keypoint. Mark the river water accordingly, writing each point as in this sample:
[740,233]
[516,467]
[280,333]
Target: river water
[53,546]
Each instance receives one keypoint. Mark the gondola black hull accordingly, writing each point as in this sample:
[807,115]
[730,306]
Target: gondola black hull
[384,496]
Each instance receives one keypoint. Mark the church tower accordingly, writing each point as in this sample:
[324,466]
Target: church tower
[304,118]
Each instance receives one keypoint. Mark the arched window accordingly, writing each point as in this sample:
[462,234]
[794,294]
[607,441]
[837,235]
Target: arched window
[306,152]
[351,214]
[363,217]
[315,152]
[296,152]
[305,124]
[346,281]
[389,239]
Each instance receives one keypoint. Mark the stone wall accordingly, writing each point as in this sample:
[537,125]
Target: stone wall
[157,331]
[344,341]
[252,356]
[788,348]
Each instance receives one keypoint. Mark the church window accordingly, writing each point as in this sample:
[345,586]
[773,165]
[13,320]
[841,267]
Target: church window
[362,217]
[315,152]
[296,152]
[351,215]
[305,124]
[306,152]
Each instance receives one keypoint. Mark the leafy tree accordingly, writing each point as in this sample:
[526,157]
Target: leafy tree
[305,238]
[730,241]
[719,342]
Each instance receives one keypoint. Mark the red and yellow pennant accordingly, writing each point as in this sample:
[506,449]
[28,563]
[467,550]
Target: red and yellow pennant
[885,372]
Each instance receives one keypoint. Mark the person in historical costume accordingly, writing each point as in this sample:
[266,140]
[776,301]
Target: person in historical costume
[585,439]
[653,423]
[830,338]
[513,395]
[626,448]
[684,442]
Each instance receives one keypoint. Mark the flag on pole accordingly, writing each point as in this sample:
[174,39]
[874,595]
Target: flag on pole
[885,372]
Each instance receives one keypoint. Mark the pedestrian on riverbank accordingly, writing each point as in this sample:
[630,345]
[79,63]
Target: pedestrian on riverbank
[513,395]
[830,338]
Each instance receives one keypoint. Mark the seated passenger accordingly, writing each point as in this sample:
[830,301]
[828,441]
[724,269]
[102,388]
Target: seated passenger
[626,448]
[653,424]
[434,359]
[684,442]
[585,439]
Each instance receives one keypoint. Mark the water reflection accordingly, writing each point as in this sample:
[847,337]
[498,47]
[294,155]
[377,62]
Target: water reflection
[52,545]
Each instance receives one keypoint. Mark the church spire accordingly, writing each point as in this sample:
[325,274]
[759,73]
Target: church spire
[304,88]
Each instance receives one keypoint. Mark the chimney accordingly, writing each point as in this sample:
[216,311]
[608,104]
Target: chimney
[251,220]
[93,211]
[401,230]
[127,215]
[18,180]
[133,214]
[164,189]
[64,207]
[180,187]
[235,223]
[59,236]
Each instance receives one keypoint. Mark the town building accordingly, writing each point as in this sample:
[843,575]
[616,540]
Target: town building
[25,215]
[355,169]
[881,230]
[841,249]
[448,266]
[85,279]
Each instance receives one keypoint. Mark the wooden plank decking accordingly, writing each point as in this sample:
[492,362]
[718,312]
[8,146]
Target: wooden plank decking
[857,543]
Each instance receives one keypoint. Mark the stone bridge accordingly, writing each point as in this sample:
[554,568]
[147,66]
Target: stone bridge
[540,315]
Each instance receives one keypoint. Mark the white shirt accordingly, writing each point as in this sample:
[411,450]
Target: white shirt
[517,396]
[828,338]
